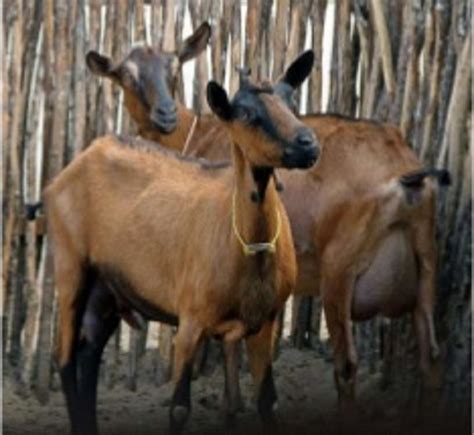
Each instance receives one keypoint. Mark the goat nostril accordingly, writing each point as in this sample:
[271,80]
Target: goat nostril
[166,110]
[306,141]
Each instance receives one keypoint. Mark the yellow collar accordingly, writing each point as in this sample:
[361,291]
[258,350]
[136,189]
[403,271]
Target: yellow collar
[253,248]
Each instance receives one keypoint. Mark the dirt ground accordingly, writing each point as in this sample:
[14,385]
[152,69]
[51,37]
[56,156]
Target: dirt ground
[307,405]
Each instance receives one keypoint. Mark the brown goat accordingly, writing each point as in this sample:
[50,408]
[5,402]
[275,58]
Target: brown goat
[364,236]
[178,242]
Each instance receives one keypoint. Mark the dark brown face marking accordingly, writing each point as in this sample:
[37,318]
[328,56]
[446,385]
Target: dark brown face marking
[149,78]
[268,133]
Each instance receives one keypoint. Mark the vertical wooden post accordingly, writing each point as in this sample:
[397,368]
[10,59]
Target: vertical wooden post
[58,67]
[315,80]
[236,47]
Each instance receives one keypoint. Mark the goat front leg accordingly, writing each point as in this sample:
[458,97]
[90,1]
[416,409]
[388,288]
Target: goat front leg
[232,396]
[232,331]
[69,279]
[260,349]
[187,341]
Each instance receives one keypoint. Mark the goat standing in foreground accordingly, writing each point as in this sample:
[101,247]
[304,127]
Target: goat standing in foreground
[364,235]
[208,250]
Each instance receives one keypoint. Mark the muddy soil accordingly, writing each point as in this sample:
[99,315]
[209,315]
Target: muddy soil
[307,405]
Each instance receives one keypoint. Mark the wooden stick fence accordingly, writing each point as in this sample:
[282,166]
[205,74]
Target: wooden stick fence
[407,61]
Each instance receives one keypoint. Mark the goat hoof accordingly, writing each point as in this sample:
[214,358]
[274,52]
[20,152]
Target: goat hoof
[180,414]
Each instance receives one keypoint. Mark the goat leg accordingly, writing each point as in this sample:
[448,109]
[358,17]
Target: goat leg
[69,279]
[98,324]
[430,364]
[187,340]
[260,353]
[337,298]
[232,395]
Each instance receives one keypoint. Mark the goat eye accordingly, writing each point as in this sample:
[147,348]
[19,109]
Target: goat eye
[128,78]
[247,115]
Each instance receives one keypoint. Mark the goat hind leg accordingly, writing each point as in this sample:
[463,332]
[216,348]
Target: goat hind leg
[429,361]
[345,357]
[429,353]
[99,322]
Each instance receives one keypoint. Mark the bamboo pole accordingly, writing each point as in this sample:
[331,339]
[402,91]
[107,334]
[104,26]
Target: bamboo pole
[6,121]
[93,117]
[279,40]
[455,133]
[457,110]
[139,15]
[122,43]
[266,29]
[157,23]
[168,30]
[365,48]
[385,46]
[316,77]
[107,104]
[225,27]
[404,58]
[33,128]
[294,38]
[14,193]
[410,91]
[79,80]
[252,36]
[236,44]
[345,86]
[180,13]
[200,11]
[371,88]
[294,33]
[440,25]
[55,154]
[33,263]
[217,55]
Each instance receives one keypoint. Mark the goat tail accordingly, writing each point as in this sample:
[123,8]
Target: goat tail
[415,179]
[412,183]
[32,209]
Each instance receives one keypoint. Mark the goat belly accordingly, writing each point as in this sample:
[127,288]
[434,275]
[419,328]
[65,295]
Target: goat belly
[132,308]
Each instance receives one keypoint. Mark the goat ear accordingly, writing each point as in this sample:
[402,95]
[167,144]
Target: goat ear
[218,101]
[293,77]
[196,43]
[98,64]
[297,72]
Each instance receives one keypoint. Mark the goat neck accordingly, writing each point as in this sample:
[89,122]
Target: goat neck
[256,206]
